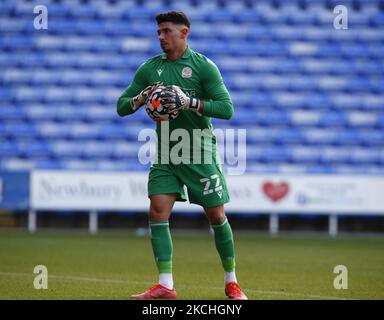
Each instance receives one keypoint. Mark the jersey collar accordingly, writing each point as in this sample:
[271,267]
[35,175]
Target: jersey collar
[185,55]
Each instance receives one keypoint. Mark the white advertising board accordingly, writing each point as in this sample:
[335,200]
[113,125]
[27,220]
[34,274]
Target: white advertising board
[249,193]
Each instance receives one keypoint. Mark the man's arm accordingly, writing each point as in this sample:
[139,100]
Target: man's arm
[129,101]
[220,103]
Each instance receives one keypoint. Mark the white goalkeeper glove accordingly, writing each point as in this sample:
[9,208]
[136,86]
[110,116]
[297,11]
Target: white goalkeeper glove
[175,99]
[142,97]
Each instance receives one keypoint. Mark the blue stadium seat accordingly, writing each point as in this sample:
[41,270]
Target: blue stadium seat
[347,137]
[106,44]
[82,12]
[56,95]
[102,78]
[59,61]
[289,136]
[93,150]
[332,119]
[21,130]
[6,94]
[11,25]
[276,154]
[84,131]
[305,155]
[35,149]
[37,112]
[256,167]
[69,113]
[58,10]
[319,136]
[101,113]
[90,27]
[11,112]
[106,11]
[27,95]
[220,16]
[8,149]
[259,135]
[66,149]
[62,27]
[354,50]
[6,8]
[18,42]
[45,78]
[377,20]
[362,119]
[371,137]
[86,95]
[326,50]
[305,118]
[346,101]
[320,169]
[75,77]
[365,156]
[49,164]
[370,102]
[288,65]
[7,60]
[254,154]
[380,121]
[376,51]
[274,117]
[116,27]
[114,131]
[335,155]
[317,101]
[53,130]
[77,164]
[126,150]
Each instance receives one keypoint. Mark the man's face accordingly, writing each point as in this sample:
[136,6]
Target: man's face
[171,36]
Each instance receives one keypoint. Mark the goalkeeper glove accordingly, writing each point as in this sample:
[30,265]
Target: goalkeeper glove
[175,99]
[142,97]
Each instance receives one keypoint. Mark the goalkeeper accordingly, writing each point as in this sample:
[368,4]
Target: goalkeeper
[197,92]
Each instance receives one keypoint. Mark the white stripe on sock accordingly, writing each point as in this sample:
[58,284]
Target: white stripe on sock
[230,277]
[166,280]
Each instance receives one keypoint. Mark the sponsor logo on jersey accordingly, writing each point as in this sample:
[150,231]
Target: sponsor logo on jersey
[186,72]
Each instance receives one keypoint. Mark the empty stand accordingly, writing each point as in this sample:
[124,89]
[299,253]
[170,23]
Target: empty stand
[311,97]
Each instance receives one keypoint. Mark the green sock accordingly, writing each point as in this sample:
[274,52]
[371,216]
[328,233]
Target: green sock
[225,245]
[161,245]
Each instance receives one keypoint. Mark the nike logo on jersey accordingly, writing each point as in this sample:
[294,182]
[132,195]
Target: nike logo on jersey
[159,72]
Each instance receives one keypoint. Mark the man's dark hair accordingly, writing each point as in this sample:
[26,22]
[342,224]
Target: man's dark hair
[176,17]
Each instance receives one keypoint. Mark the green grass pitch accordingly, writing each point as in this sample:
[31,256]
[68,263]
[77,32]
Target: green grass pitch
[115,265]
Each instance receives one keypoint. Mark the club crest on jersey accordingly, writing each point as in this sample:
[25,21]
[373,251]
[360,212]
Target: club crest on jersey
[186,72]
[159,71]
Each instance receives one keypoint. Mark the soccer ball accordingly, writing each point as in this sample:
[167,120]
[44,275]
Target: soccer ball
[155,108]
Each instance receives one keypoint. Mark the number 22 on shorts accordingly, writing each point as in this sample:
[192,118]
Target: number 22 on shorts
[208,181]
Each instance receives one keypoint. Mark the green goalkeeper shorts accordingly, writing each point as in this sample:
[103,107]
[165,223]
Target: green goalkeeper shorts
[205,183]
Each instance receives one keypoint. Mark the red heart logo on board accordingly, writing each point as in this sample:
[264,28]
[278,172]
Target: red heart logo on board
[275,191]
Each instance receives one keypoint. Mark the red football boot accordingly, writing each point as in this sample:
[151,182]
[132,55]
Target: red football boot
[156,292]
[233,291]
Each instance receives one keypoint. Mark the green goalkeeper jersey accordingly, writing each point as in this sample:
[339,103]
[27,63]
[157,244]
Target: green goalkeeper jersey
[198,77]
